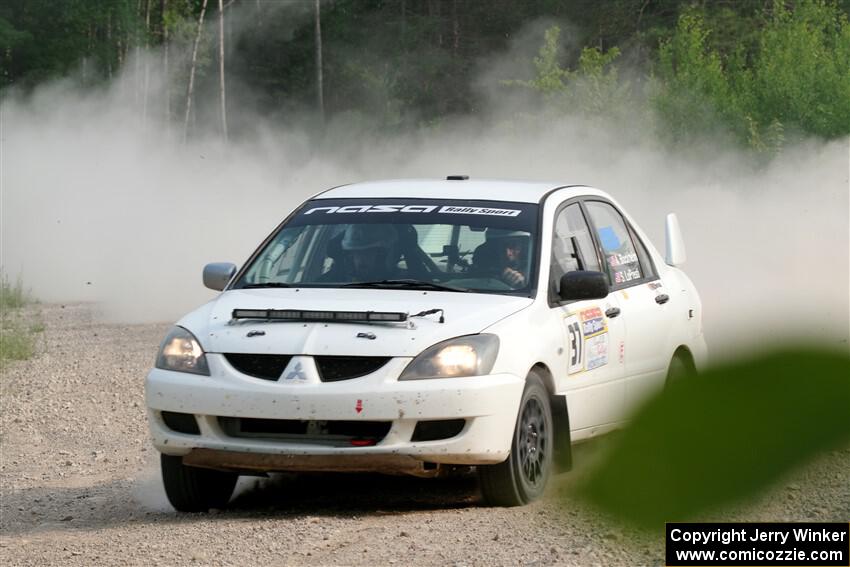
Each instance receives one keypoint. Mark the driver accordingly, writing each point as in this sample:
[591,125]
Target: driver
[505,254]
[369,253]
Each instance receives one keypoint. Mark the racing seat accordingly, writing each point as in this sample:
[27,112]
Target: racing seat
[419,265]
[487,260]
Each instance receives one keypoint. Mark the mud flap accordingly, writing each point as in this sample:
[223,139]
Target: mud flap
[563,445]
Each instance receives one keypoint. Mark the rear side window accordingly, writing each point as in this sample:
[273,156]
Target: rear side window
[621,258]
[645,263]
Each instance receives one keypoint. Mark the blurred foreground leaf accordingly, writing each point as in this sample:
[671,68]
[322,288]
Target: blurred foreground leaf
[723,436]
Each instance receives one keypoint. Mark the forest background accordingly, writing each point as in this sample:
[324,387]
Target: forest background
[760,73]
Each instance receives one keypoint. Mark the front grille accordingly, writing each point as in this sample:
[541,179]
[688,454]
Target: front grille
[437,429]
[331,433]
[265,366]
[181,422]
[335,368]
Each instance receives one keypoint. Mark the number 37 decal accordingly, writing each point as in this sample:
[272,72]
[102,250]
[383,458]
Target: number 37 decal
[587,338]
[576,345]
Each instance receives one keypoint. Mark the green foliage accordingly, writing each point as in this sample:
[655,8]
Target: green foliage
[550,76]
[12,296]
[592,88]
[10,37]
[694,91]
[17,342]
[801,74]
[44,38]
[795,75]
[724,436]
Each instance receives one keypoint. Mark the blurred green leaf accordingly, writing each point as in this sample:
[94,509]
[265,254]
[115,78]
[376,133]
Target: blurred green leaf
[724,436]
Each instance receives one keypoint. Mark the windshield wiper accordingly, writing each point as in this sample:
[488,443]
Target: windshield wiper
[406,284]
[267,284]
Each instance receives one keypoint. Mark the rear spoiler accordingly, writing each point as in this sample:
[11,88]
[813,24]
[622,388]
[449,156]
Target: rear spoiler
[675,253]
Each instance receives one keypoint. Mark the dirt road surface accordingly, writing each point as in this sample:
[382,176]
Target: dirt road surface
[79,485]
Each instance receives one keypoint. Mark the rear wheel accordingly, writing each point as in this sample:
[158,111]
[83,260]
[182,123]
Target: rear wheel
[680,370]
[193,489]
[523,476]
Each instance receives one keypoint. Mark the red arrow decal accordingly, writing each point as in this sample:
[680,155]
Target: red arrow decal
[358,407]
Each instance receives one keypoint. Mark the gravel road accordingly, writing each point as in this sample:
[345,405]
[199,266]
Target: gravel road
[79,485]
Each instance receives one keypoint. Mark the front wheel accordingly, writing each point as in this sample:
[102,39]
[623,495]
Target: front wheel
[194,489]
[523,476]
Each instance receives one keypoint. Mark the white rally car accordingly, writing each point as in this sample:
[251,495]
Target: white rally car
[407,326]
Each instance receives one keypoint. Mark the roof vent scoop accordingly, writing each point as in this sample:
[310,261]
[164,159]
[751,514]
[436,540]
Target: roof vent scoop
[457,178]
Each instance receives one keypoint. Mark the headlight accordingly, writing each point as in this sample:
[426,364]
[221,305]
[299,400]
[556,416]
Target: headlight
[472,355]
[181,352]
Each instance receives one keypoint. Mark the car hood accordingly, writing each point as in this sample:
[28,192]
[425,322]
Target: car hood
[465,313]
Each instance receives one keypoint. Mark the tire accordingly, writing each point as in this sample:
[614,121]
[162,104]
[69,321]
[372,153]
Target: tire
[523,476]
[193,489]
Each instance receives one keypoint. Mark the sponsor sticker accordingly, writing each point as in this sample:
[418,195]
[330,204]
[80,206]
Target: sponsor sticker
[479,211]
[620,259]
[592,322]
[627,275]
[597,351]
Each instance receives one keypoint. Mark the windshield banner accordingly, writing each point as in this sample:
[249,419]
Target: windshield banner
[496,214]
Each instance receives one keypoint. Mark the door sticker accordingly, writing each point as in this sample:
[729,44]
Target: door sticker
[597,351]
[592,322]
[587,336]
[576,345]
[595,333]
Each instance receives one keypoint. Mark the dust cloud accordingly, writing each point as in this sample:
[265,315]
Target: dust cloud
[101,205]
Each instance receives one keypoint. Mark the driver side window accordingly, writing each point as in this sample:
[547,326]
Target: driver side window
[572,245]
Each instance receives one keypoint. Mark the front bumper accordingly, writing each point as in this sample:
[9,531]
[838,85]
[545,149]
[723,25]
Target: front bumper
[488,404]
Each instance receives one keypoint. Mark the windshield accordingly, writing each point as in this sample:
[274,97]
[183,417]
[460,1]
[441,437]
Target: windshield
[452,245]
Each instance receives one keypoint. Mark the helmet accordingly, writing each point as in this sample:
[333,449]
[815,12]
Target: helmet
[366,236]
[510,247]
[496,233]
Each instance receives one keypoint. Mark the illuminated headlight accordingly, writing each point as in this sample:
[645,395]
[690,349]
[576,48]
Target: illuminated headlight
[181,352]
[472,355]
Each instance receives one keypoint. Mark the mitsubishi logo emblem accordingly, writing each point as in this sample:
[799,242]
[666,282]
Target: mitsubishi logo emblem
[296,373]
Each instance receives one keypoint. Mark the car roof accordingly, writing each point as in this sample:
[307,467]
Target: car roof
[475,189]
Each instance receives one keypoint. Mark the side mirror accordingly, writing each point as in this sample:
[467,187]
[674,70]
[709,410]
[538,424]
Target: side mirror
[583,285]
[675,253]
[217,274]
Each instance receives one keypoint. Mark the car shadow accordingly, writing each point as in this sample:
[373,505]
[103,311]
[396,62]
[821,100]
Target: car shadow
[348,493]
[125,501]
